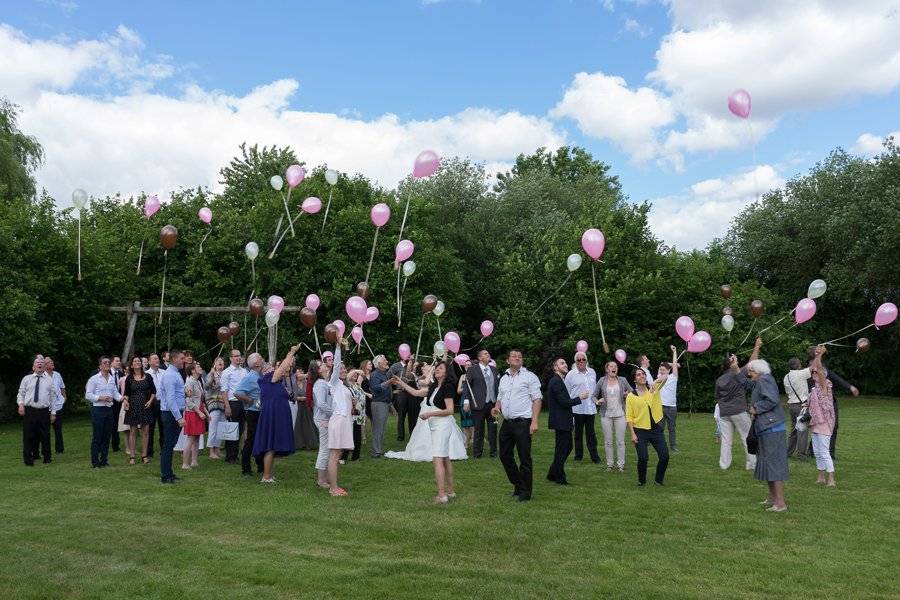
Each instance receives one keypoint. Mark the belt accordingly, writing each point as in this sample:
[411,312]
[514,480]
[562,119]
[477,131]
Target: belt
[518,419]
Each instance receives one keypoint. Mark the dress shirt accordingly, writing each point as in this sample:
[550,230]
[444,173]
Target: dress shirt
[172,394]
[249,386]
[795,385]
[649,375]
[46,392]
[231,377]
[156,376]
[60,386]
[577,382]
[98,386]
[378,384]
[517,392]
[669,391]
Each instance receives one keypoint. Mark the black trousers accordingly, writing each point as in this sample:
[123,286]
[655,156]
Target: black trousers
[407,413]
[35,431]
[585,424]
[514,434]
[155,425]
[480,417]
[655,438]
[102,425]
[357,443]
[57,432]
[251,417]
[561,452]
[237,416]
[114,435]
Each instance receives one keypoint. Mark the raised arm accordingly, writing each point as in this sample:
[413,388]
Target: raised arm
[674,361]
[818,370]
[336,371]
[284,369]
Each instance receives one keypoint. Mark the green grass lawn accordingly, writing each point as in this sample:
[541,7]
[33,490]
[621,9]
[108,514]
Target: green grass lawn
[69,531]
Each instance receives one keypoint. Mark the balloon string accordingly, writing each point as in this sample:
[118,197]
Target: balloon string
[438,319]
[169,334]
[284,233]
[258,330]
[211,349]
[783,332]
[419,343]
[79,244]
[755,167]
[403,222]
[761,331]
[473,347]
[316,334]
[245,332]
[327,207]
[749,331]
[597,306]
[287,210]
[204,238]
[369,347]
[278,226]
[844,337]
[140,256]
[566,280]
[162,295]
[372,255]
[253,273]
[399,307]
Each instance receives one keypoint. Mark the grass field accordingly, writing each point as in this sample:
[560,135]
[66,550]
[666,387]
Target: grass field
[69,531]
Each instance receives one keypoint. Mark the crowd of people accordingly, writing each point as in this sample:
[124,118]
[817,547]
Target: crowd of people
[258,411]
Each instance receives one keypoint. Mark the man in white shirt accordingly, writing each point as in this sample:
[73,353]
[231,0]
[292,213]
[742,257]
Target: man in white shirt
[583,378]
[234,408]
[61,397]
[797,391]
[36,402]
[519,400]
[155,373]
[644,363]
[669,396]
[102,391]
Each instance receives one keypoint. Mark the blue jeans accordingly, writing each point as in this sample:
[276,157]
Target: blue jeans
[170,437]
[102,424]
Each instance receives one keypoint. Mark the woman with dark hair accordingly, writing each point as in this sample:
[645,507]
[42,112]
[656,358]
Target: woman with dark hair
[644,414]
[305,435]
[610,394]
[137,401]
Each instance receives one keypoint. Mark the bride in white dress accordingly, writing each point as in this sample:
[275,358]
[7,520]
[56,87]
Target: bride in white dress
[436,437]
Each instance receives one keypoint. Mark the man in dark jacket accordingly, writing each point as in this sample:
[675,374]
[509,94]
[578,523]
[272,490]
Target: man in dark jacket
[561,419]
[482,384]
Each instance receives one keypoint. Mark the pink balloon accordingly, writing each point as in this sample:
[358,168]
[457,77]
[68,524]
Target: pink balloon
[404,351]
[357,334]
[462,359]
[372,314]
[451,340]
[581,346]
[205,215]
[886,314]
[427,163]
[294,175]
[311,205]
[700,342]
[312,302]
[487,328]
[684,327]
[804,311]
[356,309]
[276,303]
[404,250]
[493,363]
[620,356]
[341,327]
[151,205]
[739,103]
[593,243]
[380,214]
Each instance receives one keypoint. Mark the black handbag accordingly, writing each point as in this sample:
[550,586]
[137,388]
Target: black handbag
[752,440]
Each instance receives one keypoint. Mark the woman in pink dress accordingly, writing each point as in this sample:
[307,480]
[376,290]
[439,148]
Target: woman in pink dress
[340,426]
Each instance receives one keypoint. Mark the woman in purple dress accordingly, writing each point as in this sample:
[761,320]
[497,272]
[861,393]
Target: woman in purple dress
[275,428]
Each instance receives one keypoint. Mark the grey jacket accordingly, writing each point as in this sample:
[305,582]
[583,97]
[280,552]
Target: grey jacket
[765,398]
[600,392]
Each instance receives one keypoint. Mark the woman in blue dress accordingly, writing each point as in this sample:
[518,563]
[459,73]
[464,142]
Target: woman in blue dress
[275,429]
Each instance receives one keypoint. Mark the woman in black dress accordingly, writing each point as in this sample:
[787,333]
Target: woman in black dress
[137,402]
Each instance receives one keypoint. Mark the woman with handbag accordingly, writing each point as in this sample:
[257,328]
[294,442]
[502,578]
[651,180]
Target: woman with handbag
[769,428]
[821,410]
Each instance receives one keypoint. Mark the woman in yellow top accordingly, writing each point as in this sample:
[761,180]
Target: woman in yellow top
[644,413]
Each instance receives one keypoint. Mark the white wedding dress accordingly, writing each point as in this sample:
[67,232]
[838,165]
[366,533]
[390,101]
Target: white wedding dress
[429,436]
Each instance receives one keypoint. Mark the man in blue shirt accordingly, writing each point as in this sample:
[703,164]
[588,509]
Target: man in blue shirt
[247,391]
[171,407]
[380,385]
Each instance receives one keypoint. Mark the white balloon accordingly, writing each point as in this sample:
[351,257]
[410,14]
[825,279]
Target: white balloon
[79,198]
[276,182]
[573,262]
[439,348]
[439,308]
[331,176]
[251,250]
[409,267]
[272,318]
[816,289]
[728,323]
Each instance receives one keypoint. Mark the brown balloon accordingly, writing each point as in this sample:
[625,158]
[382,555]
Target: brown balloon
[863,345]
[257,308]
[725,290]
[308,317]
[727,310]
[428,303]
[362,290]
[168,237]
[223,334]
[234,328]
[756,308]
[331,333]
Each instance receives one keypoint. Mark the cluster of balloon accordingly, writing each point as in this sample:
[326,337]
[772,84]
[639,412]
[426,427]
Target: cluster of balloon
[697,341]
[884,315]
[168,237]
[310,206]
[573,263]
[274,307]
[205,215]
[79,201]
[727,312]
[331,177]
[593,242]
[151,206]
[402,253]
[380,215]
[426,164]
[227,332]
[361,314]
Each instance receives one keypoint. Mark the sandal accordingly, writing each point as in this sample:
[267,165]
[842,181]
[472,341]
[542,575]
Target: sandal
[338,492]
[131,459]
[145,460]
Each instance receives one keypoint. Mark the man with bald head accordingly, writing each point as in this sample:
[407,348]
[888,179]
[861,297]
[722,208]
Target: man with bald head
[36,398]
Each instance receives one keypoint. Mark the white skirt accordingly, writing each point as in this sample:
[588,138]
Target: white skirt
[439,437]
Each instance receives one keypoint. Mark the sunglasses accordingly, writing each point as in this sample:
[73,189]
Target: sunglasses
[581,360]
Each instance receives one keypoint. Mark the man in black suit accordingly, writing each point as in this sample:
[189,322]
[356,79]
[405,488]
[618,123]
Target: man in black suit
[561,419]
[482,381]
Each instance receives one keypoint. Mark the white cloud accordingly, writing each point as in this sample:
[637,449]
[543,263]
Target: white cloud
[606,108]
[637,28]
[869,145]
[705,210]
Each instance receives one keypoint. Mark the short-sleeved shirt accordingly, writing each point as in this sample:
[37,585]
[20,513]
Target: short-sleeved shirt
[795,385]
[669,391]
[731,395]
[517,392]
[249,386]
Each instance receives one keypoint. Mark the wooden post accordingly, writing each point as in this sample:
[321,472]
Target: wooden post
[132,323]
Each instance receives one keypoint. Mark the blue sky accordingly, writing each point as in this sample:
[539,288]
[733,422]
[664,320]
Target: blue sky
[427,61]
